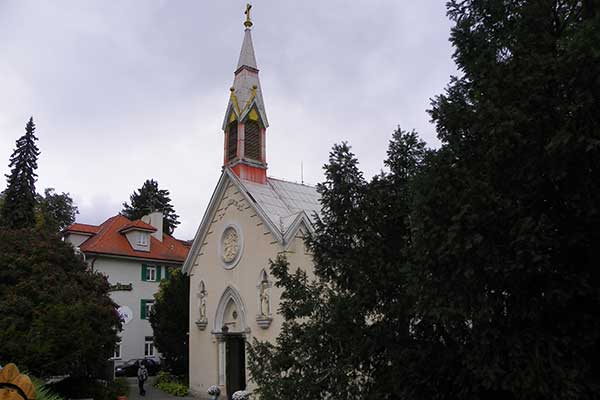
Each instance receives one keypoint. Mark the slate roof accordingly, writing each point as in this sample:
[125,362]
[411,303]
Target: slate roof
[108,239]
[247,57]
[282,201]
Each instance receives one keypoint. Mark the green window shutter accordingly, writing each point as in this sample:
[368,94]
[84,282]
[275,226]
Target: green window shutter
[143,309]
[158,274]
[144,272]
[167,273]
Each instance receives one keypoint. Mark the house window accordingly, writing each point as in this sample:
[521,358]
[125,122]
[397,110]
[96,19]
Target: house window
[151,273]
[143,239]
[117,354]
[146,308]
[149,346]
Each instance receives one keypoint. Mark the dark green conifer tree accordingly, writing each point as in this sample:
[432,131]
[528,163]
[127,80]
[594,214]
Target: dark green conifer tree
[345,330]
[507,213]
[150,198]
[170,321]
[18,210]
[481,269]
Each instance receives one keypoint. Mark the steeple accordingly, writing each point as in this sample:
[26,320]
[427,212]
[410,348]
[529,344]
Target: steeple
[245,120]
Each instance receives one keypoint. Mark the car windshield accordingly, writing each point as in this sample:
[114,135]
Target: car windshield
[129,363]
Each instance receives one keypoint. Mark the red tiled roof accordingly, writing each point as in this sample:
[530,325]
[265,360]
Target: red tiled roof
[138,224]
[82,228]
[109,240]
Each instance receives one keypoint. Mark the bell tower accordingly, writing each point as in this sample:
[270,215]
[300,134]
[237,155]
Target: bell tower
[245,122]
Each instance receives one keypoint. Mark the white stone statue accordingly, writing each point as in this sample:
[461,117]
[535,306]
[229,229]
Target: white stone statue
[203,307]
[264,298]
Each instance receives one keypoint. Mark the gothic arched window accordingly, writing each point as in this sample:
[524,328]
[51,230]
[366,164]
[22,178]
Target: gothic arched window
[252,143]
[232,138]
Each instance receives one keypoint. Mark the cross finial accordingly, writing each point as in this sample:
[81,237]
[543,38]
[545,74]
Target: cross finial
[248,22]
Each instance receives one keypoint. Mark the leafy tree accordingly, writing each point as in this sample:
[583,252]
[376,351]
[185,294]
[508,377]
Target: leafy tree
[56,315]
[343,330]
[54,211]
[170,321]
[150,198]
[19,196]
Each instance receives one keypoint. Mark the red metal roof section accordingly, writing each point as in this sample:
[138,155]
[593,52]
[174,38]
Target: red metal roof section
[138,224]
[108,240]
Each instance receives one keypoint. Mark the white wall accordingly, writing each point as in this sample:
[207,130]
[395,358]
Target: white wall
[259,246]
[125,272]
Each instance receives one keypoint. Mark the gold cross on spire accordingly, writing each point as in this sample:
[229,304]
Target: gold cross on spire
[248,22]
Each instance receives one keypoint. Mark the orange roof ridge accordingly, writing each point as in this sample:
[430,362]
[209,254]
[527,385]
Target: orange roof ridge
[138,224]
[82,228]
[109,240]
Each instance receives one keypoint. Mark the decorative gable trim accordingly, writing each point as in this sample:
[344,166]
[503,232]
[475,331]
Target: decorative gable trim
[226,176]
[301,220]
[284,238]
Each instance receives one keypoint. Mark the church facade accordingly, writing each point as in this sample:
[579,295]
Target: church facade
[251,218]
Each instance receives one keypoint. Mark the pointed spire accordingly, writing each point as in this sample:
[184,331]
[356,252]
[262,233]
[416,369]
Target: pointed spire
[246,90]
[245,121]
[247,57]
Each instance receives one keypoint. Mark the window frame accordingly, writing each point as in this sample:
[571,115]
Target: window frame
[149,347]
[118,350]
[143,239]
[147,305]
[151,273]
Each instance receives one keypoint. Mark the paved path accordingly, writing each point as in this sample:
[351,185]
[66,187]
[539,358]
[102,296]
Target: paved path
[152,393]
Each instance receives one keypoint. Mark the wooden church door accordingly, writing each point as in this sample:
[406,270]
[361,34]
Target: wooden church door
[235,347]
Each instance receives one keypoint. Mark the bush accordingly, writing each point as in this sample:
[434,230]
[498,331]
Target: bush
[168,384]
[162,377]
[44,393]
[84,387]
[119,387]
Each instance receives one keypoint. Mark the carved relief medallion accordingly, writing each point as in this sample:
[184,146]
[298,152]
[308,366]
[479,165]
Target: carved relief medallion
[230,245]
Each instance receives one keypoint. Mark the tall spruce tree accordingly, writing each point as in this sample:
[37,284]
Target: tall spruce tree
[18,210]
[507,214]
[345,330]
[150,198]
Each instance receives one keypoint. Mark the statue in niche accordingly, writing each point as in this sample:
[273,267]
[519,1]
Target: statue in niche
[202,306]
[202,320]
[264,297]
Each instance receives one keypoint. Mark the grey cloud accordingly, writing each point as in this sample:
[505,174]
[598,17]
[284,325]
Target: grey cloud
[124,91]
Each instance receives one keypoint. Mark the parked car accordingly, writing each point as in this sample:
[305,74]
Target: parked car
[130,368]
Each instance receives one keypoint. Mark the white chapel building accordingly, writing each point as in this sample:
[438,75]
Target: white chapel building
[250,219]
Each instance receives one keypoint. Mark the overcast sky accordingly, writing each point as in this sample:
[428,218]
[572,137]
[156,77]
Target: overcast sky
[123,91]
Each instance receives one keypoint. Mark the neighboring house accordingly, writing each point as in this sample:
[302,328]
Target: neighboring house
[250,219]
[135,255]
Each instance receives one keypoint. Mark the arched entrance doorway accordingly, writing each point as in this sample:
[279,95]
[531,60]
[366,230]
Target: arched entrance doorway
[230,329]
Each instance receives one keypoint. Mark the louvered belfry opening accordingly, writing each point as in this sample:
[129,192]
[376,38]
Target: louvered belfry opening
[232,139]
[252,145]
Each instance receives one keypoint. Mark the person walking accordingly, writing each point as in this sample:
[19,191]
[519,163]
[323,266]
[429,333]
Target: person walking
[142,375]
